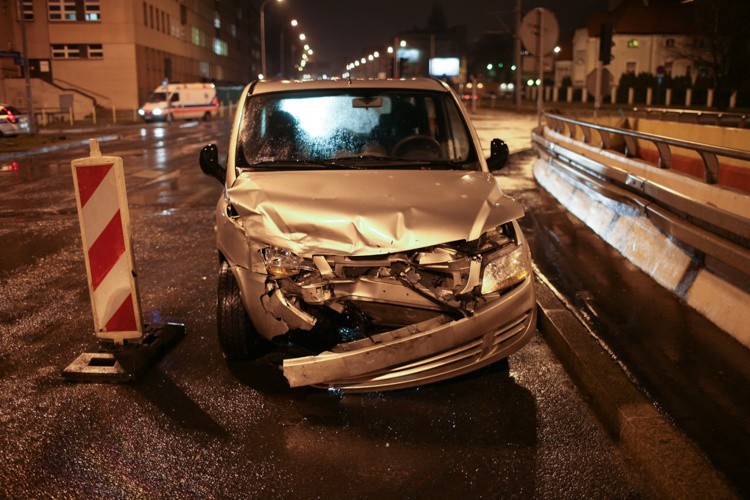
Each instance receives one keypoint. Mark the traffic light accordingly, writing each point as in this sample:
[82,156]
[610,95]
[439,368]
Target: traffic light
[605,43]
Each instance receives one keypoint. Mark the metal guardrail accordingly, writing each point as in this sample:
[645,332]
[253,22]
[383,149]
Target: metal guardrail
[707,152]
[740,120]
[710,230]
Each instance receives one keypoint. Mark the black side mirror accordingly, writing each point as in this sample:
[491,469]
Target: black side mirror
[209,160]
[498,155]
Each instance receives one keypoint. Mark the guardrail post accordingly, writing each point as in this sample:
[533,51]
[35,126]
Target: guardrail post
[569,97]
[631,146]
[710,98]
[70,115]
[93,115]
[733,100]
[547,93]
[649,96]
[688,97]
[665,155]
[668,97]
[584,95]
[586,131]
[114,115]
[44,117]
[555,94]
[606,139]
[631,95]
[712,166]
[613,94]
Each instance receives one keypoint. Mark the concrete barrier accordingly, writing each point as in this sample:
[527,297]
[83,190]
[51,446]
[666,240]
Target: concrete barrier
[626,223]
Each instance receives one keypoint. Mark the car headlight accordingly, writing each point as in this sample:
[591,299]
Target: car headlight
[157,111]
[141,112]
[505,269]
[282,263]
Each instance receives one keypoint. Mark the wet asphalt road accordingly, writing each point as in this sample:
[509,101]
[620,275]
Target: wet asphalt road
[197,426]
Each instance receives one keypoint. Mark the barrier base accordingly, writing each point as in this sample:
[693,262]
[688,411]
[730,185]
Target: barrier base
[125,363]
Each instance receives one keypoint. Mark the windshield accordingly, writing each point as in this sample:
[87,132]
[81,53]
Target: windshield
[371,129]
[158,97]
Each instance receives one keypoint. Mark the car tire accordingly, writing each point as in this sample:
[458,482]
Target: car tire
[207,116]
[169,118]
[237,336]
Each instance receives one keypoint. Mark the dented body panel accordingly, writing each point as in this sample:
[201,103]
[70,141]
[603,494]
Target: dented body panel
[384,211]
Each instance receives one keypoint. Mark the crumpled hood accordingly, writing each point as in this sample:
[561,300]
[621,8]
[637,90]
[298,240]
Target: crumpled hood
[368,212]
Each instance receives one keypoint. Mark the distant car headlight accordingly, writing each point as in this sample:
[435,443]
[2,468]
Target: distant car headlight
[157,111]
[506,268]
[282,263]
[141,112]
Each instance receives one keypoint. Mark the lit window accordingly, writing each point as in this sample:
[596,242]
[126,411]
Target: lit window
[220,47]
[217,21]
[73,10]
[204,68]
[91,10]
[195,35]
[233,29]
[633,43]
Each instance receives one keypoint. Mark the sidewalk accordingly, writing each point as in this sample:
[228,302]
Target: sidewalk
[48,140]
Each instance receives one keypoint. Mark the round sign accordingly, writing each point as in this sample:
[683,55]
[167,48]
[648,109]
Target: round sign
[530,27]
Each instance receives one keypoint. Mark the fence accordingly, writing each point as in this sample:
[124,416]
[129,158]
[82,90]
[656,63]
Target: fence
[65,117]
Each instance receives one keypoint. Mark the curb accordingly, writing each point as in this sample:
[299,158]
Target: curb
[672,465]
[56,147]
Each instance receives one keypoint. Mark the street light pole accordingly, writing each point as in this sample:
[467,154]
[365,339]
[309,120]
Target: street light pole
[26,70]
[263,37]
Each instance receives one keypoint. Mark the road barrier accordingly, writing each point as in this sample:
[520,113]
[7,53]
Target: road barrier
[110,269]
[691,236]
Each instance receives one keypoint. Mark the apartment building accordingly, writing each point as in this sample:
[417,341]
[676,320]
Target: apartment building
[115,52]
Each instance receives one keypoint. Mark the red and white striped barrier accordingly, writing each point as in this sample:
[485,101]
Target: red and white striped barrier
[105,230]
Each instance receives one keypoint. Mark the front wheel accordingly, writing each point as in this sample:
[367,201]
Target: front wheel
[237,336]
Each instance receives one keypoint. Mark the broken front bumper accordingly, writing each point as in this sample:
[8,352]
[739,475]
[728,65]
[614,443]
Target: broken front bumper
[425,352]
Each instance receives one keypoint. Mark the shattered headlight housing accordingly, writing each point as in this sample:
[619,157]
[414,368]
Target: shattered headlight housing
[504,269]
[282,263]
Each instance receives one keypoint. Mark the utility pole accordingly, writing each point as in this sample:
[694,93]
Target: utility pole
[26,70]
[517,56]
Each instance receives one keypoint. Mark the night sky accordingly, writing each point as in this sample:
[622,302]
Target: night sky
[342,30]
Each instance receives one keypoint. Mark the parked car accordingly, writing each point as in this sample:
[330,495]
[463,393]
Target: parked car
[13,121]
[360,222]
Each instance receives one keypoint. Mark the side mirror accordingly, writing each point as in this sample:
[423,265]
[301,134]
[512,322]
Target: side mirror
[498,155]
[209,161]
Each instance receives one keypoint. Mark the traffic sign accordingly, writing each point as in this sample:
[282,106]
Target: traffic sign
[536,20]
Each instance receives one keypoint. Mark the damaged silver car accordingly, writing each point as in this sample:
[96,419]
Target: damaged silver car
[360,222]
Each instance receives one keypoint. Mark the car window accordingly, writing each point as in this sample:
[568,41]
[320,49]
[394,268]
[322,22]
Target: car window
[14,110]
[175,97]
[320,127]
[157,97]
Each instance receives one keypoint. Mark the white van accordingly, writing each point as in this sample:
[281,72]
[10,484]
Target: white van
[181,101]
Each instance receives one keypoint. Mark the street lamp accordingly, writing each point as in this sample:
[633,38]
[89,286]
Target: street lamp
[263,36]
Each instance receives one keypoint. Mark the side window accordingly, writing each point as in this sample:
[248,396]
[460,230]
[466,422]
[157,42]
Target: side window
[175,97]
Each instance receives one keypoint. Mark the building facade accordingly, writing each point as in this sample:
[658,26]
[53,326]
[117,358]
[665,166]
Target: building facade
[647,38]
[117,51]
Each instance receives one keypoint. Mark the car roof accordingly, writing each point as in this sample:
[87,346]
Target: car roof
[265,86]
